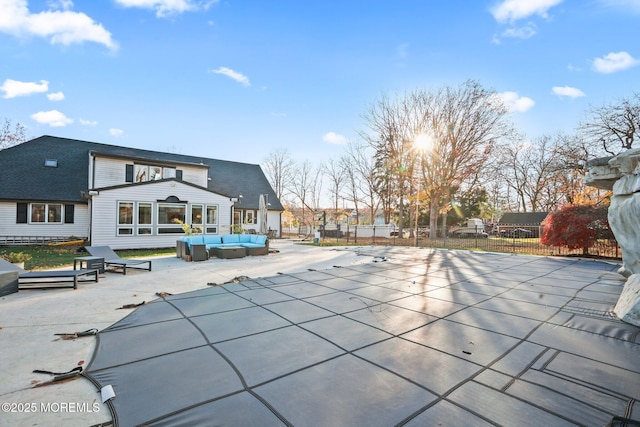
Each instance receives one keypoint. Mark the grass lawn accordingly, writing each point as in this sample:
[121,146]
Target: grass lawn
[45,257]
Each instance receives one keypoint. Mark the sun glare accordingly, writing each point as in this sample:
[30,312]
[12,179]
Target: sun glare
[423,142]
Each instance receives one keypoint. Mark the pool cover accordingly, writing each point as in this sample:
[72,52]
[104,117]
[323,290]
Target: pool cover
[417,338]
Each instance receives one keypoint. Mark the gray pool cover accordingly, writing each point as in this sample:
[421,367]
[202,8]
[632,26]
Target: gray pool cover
[423,338]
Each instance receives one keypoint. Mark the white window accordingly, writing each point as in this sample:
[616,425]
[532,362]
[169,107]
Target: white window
[141,173]
[249,217]
[49,213]
[196,215]
[211,226]
[168,215]
[125,218]
[155,173]
[144,219]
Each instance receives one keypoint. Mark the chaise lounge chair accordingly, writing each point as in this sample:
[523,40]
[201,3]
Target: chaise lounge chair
[111,259]
[50,278]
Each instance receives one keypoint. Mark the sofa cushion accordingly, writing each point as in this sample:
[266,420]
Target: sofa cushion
[194,240]
[252,245]
[212,239]
[260,239]
[231,238]
[245,238]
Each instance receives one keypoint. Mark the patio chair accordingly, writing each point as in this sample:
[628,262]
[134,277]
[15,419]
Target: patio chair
[50,278]
[111,259]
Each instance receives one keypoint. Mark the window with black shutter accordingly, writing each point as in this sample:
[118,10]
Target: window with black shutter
[179,175]
[128,176]
[68,214]
[21,213]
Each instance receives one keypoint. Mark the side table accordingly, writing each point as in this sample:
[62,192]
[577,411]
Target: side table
[90,263]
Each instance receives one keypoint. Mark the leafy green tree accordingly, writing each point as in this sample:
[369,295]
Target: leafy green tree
[473,204]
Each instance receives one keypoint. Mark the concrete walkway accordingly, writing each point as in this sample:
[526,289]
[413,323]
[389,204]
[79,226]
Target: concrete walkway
[417,336]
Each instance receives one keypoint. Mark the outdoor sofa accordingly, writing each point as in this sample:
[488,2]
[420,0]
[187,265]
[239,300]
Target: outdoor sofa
[202,246]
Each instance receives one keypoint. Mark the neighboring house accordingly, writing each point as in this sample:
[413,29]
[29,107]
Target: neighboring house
[531,221]
[124,197]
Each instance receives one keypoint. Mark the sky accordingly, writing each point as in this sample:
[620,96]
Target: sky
[239,79]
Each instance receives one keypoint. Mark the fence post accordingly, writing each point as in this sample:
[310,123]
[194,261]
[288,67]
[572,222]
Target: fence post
[476,236]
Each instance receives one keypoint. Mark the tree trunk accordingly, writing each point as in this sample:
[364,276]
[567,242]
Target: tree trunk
[401,216]
[433,218]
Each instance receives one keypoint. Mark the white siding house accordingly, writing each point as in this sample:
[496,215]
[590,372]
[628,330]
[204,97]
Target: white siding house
[140,215]
[11,229]
[123,197]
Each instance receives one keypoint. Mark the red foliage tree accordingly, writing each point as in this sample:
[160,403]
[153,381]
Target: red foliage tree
[576,226]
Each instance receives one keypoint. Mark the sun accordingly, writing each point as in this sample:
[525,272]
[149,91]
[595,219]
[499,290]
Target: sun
[423,142]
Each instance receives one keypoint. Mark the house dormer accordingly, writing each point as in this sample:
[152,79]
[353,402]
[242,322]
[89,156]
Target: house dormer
[109,169]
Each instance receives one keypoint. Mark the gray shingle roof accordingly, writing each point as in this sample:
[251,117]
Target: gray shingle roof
[24,176]
[523,218]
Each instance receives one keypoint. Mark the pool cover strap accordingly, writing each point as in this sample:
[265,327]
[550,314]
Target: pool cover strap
[74,335]
[59,376]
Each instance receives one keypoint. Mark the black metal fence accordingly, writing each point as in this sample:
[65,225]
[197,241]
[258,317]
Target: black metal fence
[511,239]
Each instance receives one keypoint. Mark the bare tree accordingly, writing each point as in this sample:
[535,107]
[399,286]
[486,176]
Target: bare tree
[316,185]
[464,125]
[10,137]
[279,168]
[614,127]
[334,171]
[543,174]
[362,180]
[392,130]
[541,166]
[300,186]
[306,186]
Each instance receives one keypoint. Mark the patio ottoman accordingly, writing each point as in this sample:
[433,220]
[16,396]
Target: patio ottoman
[229,252]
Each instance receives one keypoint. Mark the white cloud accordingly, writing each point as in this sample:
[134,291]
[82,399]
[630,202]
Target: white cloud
[516,103]
[625,6]
[525,32]
[514,10]
[59,26]
[85,122]
[614,61]
[334,138]
[60,4]
[567,91]
[53,118]
[14,88]
[240,78]
[56,96]
[166,8]
[116,132]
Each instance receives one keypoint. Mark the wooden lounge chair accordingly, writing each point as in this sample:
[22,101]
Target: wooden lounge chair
[50,278]
[111,259]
